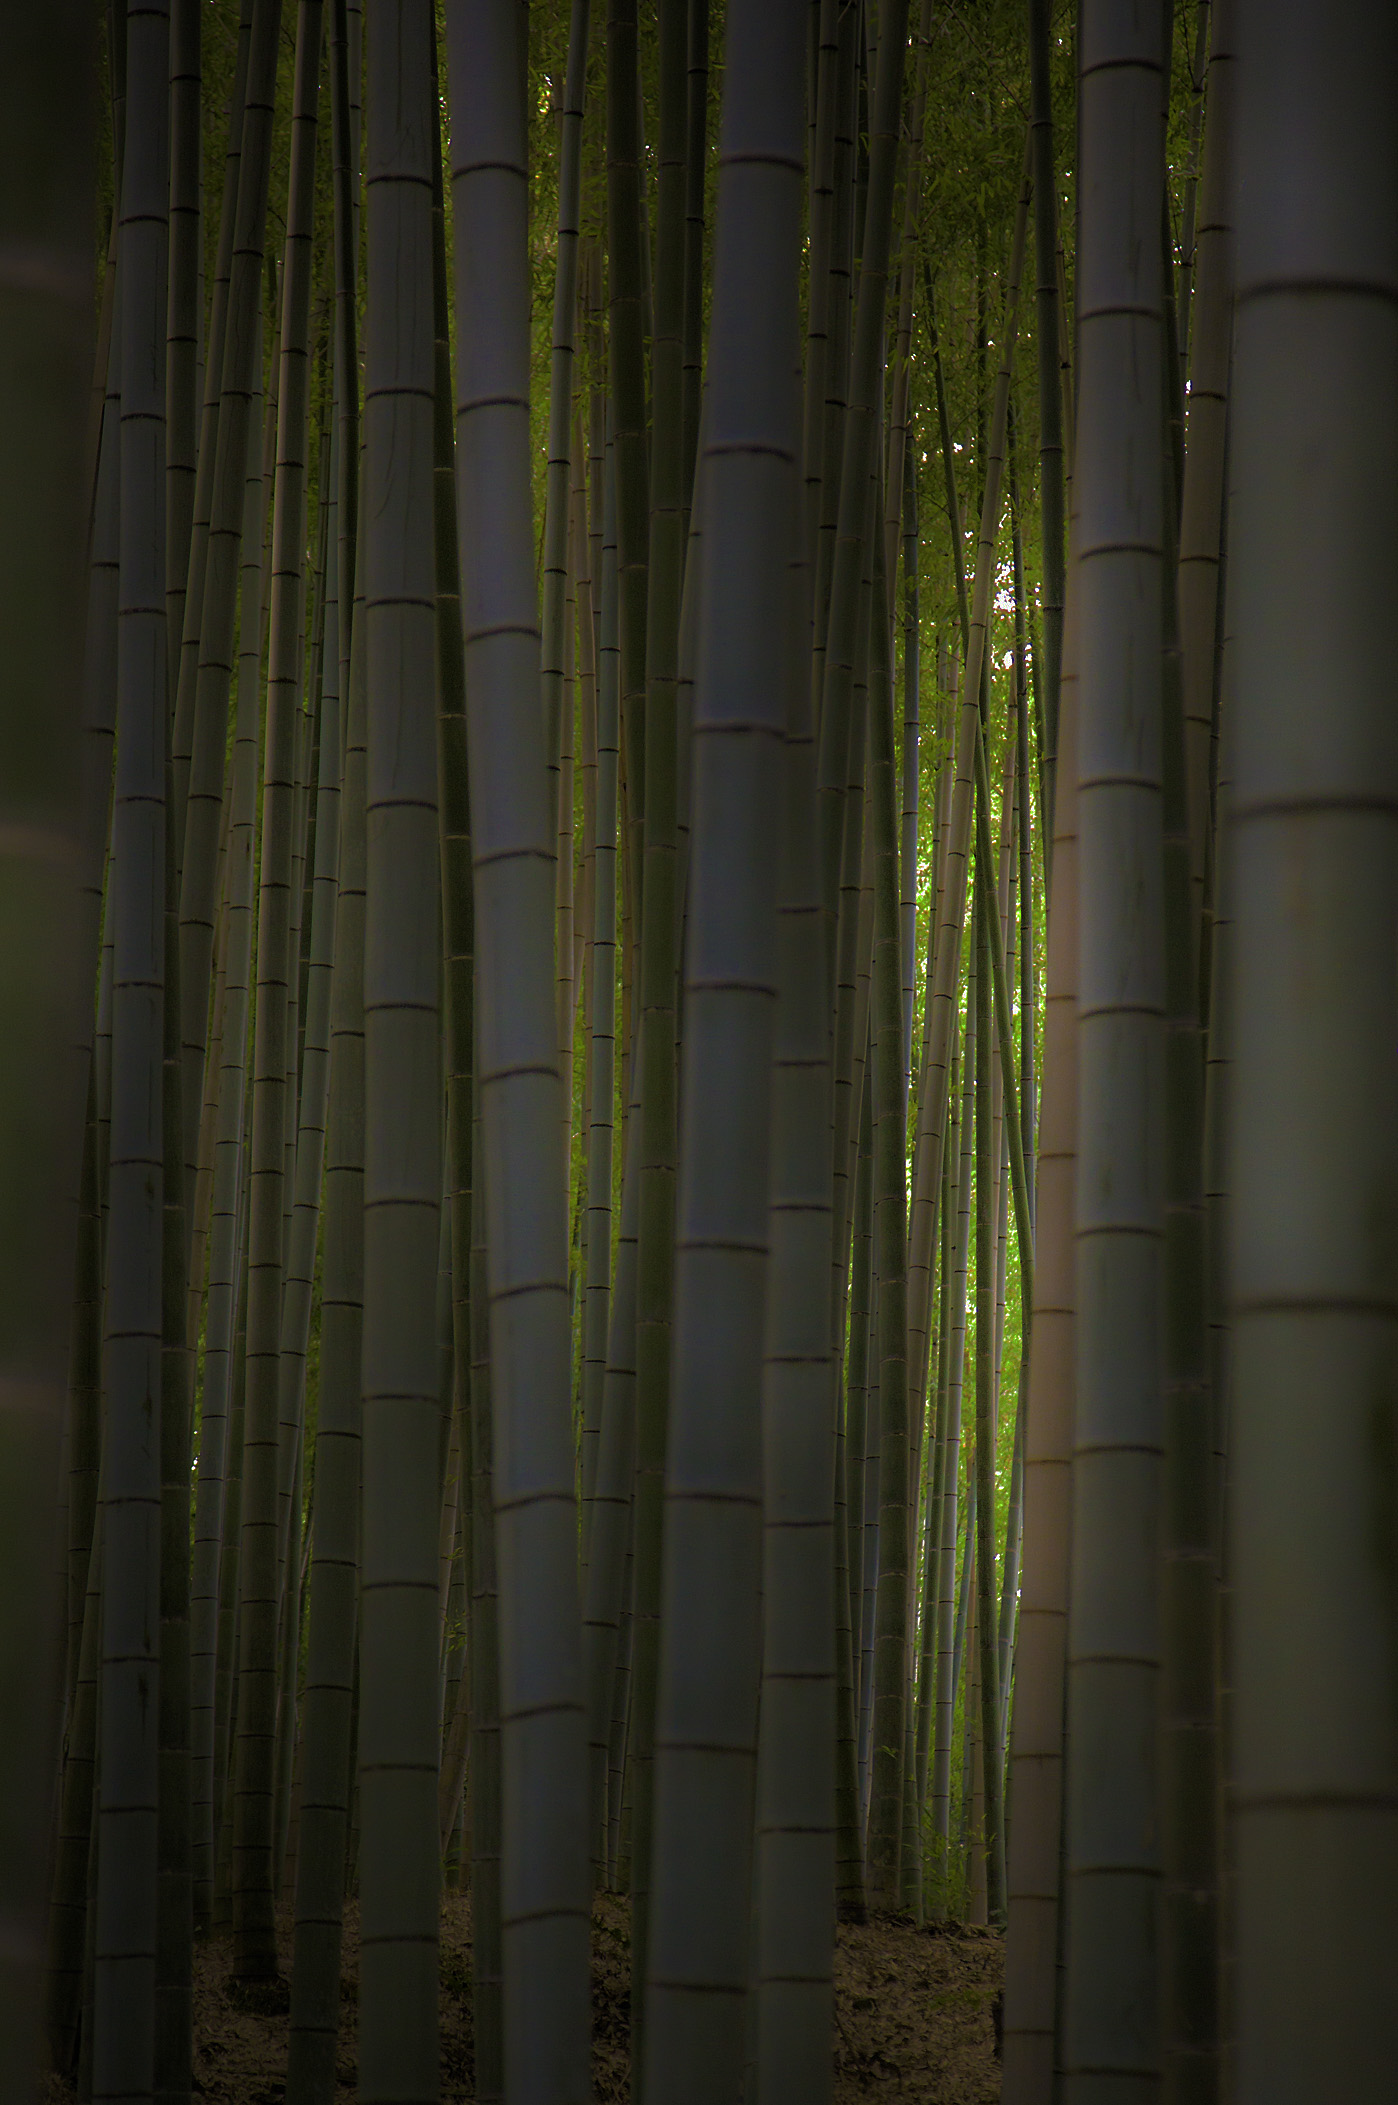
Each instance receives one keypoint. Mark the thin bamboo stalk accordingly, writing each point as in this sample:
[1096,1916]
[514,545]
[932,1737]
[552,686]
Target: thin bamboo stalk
[657,1038]
[892,1654]
[183,315]
[969,765]
[1202,502]
[987,1194]
[331,1634]
[203,804]
[1046,343]
[227,1197]
[184,670]
[948,1640]
[254,1787]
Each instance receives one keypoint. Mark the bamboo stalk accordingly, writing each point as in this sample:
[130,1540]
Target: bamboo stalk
[1312,457]
[544,1887]
[699,1960]
[123,2012]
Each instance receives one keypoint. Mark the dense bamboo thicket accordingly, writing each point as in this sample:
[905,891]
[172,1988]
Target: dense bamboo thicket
[697,1155]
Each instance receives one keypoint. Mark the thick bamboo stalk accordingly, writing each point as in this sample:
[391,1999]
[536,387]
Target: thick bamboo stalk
[699,1964]
[399,1735]
[1311,848]
[797,1751]
[47,956]
[544,1879]
[1112,2004]
[123,2015]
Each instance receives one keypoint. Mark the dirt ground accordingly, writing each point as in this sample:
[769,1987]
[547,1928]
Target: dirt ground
[913,2015]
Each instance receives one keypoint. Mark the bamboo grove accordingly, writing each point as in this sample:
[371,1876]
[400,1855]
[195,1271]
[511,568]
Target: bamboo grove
[698,1140]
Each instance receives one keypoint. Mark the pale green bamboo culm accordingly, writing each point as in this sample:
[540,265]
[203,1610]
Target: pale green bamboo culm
[47,210]
[698,1957]
[544,1859]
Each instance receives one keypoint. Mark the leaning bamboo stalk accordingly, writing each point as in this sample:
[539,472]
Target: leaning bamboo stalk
[227,1199]
[554,622]
[203,809]
[544,1888]
[185,665]
[331,1636]
[259,1591]
[899,452]
[988,1186]
[860,442]
[969,758]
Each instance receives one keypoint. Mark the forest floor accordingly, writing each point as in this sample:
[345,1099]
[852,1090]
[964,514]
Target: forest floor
[913,2015]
